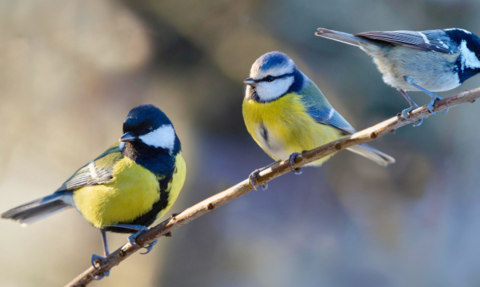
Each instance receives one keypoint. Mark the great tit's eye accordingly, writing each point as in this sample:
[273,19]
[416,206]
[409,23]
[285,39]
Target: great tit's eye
[148,129]
[269,78]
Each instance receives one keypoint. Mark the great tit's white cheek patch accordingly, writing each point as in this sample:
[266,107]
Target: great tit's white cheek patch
[469,59]
[268,91]
[163,137]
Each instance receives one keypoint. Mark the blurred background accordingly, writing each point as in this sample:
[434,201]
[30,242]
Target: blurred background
[71,70]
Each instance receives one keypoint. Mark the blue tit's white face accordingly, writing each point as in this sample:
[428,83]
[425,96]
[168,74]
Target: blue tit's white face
[271,76]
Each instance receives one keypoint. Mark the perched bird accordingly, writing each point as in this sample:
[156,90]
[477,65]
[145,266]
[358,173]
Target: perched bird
[286,113]
[427,61]
[126,188]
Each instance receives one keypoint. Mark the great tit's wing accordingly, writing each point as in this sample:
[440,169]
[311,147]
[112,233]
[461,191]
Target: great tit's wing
[432,40]
[320,109]
[98,171]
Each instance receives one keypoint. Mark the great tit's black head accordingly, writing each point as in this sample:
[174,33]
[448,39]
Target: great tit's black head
[271,76]
[148,124]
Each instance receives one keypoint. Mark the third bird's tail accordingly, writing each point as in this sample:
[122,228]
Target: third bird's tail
[341,37]
[372,154]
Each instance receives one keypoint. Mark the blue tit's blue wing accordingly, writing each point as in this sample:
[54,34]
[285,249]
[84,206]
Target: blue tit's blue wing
[98,171]
[320,109]
[431,40]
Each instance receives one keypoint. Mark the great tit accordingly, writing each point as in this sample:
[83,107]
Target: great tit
[286,113]
[427,61]
[125,189]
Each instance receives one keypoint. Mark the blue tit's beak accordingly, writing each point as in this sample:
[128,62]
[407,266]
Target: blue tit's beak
[128,137]
[250,82]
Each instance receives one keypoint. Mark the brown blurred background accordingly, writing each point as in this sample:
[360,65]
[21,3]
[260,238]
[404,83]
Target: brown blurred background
[71,70]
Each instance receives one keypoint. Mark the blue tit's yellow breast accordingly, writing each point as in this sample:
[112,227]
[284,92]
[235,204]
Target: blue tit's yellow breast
[131,193]
[283,126]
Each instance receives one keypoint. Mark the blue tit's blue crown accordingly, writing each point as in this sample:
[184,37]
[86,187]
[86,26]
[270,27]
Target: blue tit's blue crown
[143,116]
[273,64]
[272,60]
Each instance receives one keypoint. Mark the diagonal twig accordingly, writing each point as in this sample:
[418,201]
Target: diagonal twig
[281,167]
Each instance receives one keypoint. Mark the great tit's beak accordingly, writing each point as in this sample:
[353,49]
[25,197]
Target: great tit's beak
[250,82]
[128,137]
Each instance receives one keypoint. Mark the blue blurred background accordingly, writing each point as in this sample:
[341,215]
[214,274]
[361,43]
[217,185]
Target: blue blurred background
[71,70]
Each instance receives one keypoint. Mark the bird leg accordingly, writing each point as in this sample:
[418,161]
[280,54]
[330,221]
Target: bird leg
[413,106]
[131,239]
[433,96]
[291,159]
[97,258]
[253,177]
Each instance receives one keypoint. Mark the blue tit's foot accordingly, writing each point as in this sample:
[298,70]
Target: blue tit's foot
[432,103]
[253,180]
[405,112]
[296,171]
[149,246]
[97,259]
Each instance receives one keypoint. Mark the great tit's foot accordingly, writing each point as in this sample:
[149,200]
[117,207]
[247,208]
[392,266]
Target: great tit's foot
[253,180]
[405,112]
[133,237]
[432,103]
[97,258]
[150,245]
[296,171]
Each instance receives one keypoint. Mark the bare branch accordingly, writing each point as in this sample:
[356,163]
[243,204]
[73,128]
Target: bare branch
[278,169]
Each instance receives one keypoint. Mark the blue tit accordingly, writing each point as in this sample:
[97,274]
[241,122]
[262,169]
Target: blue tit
[125,189]
[427,61]
[286,113]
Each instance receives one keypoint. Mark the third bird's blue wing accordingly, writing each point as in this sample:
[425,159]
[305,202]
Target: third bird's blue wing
[432,40]
[320,109]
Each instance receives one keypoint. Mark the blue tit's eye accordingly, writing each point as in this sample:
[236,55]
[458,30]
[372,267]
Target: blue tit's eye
[148,129]
[269,78]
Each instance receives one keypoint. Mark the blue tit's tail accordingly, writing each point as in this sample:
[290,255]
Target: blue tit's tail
[40,208]
[372,154]
[342,37]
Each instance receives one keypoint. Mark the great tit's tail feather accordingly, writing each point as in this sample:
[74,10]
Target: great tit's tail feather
[40,208]
[340,36]
[372,154]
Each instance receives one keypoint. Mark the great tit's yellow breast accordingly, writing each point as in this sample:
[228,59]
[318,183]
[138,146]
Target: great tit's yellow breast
[176,184]
[283,126]
[130,194]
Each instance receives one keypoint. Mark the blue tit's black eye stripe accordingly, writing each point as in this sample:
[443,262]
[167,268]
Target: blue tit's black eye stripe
[270,78]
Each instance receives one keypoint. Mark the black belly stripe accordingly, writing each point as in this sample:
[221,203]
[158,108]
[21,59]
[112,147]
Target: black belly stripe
[148,218]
